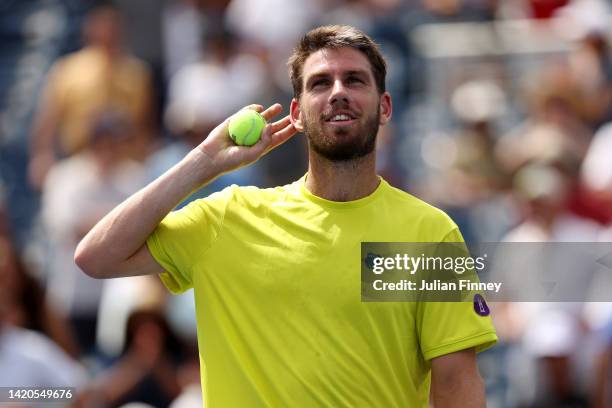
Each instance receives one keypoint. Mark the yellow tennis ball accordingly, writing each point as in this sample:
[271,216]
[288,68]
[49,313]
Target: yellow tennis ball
[246,126]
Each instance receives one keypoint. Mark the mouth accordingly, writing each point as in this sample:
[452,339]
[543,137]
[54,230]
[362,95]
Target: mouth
[340,118]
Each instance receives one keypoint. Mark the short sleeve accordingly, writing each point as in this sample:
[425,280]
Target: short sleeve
[447,327]
[183,237]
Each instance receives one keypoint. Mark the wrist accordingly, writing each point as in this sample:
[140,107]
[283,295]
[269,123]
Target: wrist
[201,167]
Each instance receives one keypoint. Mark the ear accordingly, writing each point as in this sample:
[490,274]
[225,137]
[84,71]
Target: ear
[295,114]
[386,108]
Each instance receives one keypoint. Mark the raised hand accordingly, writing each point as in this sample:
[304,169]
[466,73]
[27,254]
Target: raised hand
[225,156]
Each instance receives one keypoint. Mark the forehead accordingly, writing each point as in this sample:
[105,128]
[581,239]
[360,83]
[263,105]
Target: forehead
[337,60]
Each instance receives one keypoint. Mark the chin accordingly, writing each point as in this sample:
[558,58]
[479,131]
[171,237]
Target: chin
[341,143]
[345,150]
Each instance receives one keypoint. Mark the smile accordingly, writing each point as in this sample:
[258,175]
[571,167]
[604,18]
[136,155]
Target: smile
[340,119]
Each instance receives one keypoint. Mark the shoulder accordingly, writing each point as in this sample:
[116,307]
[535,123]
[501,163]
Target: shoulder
[244,198]
[231,202]
[252,195]
[77,60]
[68,60]
[411,219]
[69,69]
[63,68]
[400,201]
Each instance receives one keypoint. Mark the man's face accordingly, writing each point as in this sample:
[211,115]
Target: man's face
[340,108]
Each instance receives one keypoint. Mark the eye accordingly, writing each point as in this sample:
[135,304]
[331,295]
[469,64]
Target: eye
[354,80]
[319,83]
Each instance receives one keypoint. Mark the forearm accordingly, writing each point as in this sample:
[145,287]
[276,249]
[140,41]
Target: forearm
[467,392]
[105,250]
[116,245]
[456,381]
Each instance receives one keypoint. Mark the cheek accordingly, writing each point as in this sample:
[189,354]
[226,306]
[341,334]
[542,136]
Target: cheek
[314,104]
[309,111]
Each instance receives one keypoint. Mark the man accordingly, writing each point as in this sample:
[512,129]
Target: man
[100,77]
[276,272]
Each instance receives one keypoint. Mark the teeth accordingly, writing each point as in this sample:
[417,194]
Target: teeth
[340,117]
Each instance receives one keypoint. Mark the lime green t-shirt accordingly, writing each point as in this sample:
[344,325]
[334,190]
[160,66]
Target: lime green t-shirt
[276,278]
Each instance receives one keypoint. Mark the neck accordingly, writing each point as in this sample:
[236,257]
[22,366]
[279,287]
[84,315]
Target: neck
[111,52]
[341,181]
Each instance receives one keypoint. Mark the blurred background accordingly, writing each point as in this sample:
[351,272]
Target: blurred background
[502,117]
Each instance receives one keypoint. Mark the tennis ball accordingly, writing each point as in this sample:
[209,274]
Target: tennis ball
[246,126]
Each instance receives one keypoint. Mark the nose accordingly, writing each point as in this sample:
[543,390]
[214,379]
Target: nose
[338,93]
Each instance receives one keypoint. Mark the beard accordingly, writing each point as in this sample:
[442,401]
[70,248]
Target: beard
[339,146]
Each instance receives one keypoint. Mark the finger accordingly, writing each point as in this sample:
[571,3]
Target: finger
[271,140]
[277,129]
[255,107]
[264,142]
[281,136]
[272,111]
[281,124]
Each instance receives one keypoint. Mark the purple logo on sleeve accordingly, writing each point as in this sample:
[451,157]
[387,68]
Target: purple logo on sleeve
[480,306]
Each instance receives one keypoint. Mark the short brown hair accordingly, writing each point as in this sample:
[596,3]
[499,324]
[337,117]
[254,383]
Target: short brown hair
[333,37]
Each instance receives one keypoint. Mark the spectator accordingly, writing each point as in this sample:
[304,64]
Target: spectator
[26,305]
[147,370]
[553,340]
[99,77]
[554,128]
[76,193]
[28,358]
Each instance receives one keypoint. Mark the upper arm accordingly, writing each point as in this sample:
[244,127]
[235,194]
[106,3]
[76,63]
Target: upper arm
[456,381]
[140,263]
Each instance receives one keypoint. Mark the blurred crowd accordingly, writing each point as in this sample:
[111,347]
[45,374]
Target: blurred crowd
[502,117]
